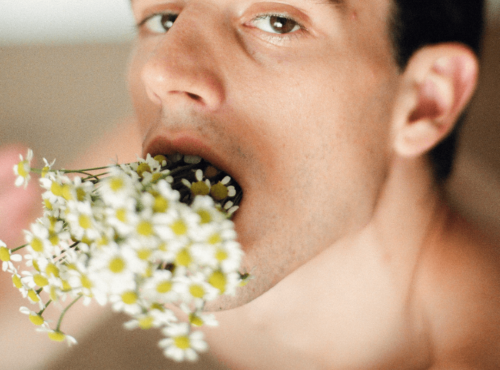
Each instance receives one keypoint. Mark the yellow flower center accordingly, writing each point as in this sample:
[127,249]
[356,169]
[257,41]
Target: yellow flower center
[37,245]
[200,188]
[33,296]
[197,291]
[121,214]
[52,269]
[195,320]
[183,258]
[40,280]
[146,322]
[182,342]
[17,281]
[218,280]
[47,204]
[84,222]
[219,191]
[215,239]
[86,283]
[164,287]
[4,254]
[116,265]
[80,194]
[145,228]
[160,205]
[36,319]
[129,297]
[66,192]
[116,184]
[144,254]
[56,336]
[45,171]
[56,189]
[35,265]
[21,169]
[179,227]
[54,239]
[160,159]
[143,167]
[221,255]
[205,216]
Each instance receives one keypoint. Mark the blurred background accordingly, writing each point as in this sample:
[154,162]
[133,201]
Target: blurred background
[62,86]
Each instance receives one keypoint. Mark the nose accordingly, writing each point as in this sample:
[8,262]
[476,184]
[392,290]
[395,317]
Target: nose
[182,69]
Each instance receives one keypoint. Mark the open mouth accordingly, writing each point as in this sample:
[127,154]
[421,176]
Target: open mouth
[192,175]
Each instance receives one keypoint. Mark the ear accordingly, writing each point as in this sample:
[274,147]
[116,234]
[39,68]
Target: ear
[437,84]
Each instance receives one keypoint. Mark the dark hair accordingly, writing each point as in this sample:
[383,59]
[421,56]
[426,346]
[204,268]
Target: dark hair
[417,23]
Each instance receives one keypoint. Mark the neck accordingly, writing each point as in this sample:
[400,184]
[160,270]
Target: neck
[357,291]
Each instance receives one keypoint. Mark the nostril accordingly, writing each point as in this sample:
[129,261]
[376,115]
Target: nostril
[194,97]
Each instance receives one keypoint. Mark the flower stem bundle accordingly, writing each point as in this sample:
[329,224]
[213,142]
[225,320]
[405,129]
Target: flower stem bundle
[140,236]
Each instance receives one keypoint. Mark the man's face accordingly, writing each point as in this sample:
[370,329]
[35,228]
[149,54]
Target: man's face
[298,111]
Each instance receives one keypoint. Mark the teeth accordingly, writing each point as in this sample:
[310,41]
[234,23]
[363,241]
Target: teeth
[192,159]
[175,157]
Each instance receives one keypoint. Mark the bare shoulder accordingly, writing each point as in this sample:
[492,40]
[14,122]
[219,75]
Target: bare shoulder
[459,289]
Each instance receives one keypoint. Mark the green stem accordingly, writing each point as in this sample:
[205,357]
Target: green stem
[18,248]
[47,305]
[66,310]
[39,170]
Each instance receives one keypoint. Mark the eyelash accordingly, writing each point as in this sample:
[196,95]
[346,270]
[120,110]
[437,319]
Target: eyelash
[274,37]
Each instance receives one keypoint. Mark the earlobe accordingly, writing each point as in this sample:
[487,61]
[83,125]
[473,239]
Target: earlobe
[439,81]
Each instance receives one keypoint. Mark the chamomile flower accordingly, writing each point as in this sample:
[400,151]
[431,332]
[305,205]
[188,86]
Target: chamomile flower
[195,289]
[221,191]
[7,257]
[34,317]
[182,344]
[23,169]
[128,239]
[82,221]
[38,241]
[58,336]
[199,187]
[48,166]
[117,188]
[152,319]
[128,301]
[160,288]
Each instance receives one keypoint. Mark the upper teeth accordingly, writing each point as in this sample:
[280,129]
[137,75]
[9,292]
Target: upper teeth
[192,159]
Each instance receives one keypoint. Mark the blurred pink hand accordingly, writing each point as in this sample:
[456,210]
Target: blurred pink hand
[18,206]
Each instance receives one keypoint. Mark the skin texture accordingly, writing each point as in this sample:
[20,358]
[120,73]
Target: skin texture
[301,141]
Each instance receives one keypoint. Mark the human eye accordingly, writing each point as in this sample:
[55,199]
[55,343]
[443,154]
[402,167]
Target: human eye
[276,24]
[159,22]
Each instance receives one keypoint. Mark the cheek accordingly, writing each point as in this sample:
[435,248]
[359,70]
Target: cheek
[146,111]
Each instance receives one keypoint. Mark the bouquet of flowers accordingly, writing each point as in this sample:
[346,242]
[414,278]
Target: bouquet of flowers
[141,236]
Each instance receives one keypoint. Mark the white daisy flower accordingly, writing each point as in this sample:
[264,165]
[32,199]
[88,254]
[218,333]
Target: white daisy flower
[195,289]
[38,241]
[34,317]
[160,288]
[7,257]
[82,221]
[116,188]
[58,336]
[181,344]
[23,168]
[128,301]
[199,187]
[221,191]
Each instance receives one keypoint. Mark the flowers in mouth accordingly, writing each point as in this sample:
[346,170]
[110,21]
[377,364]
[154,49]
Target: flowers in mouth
[141,236]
